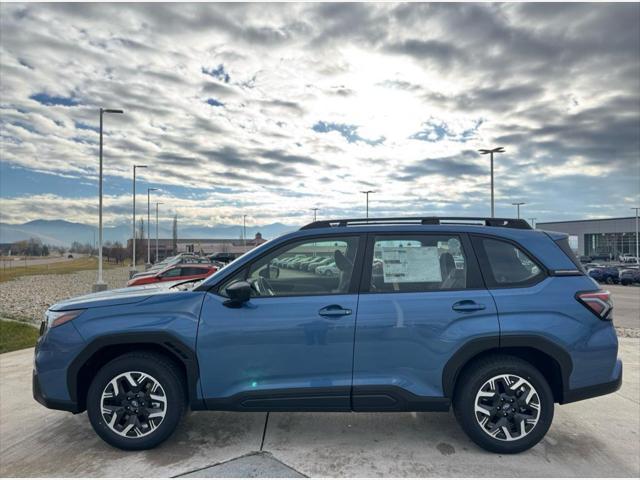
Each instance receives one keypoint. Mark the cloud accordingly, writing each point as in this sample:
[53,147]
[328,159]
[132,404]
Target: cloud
[258,104]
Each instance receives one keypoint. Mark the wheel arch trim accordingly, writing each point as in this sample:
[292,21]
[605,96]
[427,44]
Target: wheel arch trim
[162,340]
[478,346]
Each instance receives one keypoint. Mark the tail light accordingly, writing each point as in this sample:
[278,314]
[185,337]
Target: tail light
[599,302]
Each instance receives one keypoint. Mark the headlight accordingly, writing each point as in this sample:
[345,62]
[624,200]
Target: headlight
[54,319]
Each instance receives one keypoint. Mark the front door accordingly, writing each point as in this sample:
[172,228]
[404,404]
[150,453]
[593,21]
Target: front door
[291,346]
[421,299]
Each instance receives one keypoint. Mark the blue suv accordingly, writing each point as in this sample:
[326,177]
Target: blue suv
[487,316]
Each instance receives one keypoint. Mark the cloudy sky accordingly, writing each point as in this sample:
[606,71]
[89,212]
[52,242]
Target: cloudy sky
[271,110]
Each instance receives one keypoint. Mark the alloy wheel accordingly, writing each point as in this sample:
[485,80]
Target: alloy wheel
[133,404]
[507,407]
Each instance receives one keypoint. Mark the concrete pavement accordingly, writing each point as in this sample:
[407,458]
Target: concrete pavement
[597,437]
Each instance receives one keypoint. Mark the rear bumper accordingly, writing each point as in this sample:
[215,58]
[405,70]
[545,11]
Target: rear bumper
[53,404]
[594,390]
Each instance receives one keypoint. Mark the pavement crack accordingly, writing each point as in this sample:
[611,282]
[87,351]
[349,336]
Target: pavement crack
[264,432]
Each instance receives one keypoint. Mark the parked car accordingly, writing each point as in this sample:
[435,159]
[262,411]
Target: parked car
[629,276]
[607,275]
[329,270]
[514,329]
[585,259]
[223,257]
[311,267]
[173,273]
[628,258]
[296,263]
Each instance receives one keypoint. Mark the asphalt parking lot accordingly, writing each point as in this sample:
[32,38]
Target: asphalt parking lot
[596,437]
[626,305]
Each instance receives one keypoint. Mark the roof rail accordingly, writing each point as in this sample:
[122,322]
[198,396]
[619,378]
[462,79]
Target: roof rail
[485,221]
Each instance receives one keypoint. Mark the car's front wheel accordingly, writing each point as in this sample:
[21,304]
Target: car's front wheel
[136,401]
[504,404]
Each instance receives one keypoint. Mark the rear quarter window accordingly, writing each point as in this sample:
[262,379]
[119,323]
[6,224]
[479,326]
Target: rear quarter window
[563,243]
[505,265]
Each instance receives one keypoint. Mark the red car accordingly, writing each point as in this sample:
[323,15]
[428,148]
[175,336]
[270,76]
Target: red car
[191,271]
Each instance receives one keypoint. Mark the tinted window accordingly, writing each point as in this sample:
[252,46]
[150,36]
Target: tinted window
[188,271]
[320,267]
[174,272]
[418,263]
[508,265]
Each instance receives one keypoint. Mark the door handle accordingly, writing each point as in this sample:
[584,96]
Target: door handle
[467,306]
[334,311]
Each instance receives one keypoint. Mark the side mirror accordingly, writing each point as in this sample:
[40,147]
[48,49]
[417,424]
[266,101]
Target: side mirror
[239,293]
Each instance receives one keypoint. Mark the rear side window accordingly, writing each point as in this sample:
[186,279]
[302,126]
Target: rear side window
[418,263]
[505,265]
[188,271]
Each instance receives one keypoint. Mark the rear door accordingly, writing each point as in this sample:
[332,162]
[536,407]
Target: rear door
[422,299]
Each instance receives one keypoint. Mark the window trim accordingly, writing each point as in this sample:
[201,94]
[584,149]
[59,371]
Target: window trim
[487,272]
[474,275]
[355,276]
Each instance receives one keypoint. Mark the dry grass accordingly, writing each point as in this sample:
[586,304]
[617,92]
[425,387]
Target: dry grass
[71,266]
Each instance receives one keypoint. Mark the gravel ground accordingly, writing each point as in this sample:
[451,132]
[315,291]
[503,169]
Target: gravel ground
[26,298]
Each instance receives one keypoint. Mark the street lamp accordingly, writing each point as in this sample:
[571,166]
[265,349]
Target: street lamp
[149,190]
[637,249]
[244,230]
[315,212]
[133,260]
[484,151]
[100,285]
[517,205]
[157,203]
[533,221]
[367,192]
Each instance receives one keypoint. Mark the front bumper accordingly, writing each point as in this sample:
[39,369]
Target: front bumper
[53,404]
[597,390]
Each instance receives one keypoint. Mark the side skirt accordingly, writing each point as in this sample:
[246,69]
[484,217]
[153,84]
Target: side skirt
[339,399]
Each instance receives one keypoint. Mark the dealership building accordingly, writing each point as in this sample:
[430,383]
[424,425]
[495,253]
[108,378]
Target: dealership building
[600,238]
[205,246]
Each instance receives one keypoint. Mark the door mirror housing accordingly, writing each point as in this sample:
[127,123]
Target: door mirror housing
[239,293]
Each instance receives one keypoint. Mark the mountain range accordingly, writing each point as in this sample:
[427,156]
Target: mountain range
[63,233]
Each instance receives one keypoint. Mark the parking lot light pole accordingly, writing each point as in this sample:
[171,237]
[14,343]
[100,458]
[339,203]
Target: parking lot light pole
[485,151]
[367,192]
[517,204]
[100,285]
[149,190]
[157,203]
[315,214]
[244,230]
[133,239]
[637,249]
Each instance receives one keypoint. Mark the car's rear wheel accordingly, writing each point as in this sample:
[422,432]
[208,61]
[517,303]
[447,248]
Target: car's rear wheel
[504,404]
[136,401]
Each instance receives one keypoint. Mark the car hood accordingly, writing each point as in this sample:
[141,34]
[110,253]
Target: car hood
[119,296]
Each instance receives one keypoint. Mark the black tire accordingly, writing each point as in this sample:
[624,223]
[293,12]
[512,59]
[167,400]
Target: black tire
[472,380]
[171,380]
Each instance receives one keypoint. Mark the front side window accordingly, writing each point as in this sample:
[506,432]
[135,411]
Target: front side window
[323,266]
[418,263]
[506,265]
